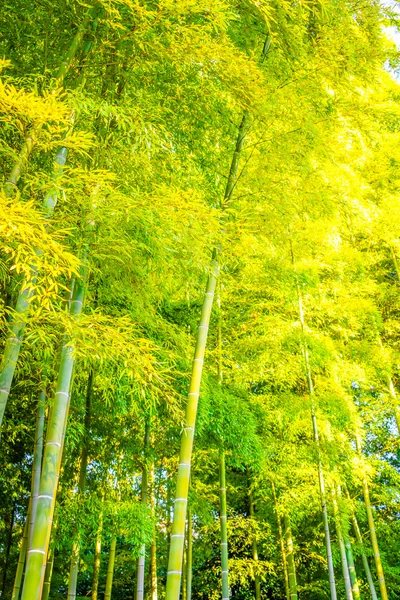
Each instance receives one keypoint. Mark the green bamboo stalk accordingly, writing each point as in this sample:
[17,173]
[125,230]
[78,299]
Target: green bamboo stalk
[75,553]
[257,583]
[224,529]
[97,553]
[52,460]
[142,555]
[372,532]
[182,486]
[153,547]
[189,563]
[331,572]
[349,554]
[21,557]
[16,329]
[290,559]
[364,558]
[184,573]
[49,563]
[37,461]
[343,556]
[281,544]
[374,541]
[110,568]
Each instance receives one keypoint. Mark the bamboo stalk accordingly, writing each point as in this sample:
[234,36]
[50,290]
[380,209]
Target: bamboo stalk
[21,557]
[290,559]
[97,554]
[49,563]
[364,558]
[37,461]
[75,553]
[224,530]
[153,547]
[142,555]
[343,556]
[349,554]
[331,572]
[35,567]
[110,567]
[189,555]
[257,585]
[281,543]
[182,486]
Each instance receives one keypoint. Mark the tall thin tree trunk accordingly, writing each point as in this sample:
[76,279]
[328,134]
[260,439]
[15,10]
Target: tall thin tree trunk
[182,486]
[21,557]
[110,567]
[97,554]
[37,461]
[372,532]
[257,584]
[321,479]
[49,563]
[281,544]
[75,553]
[364,558]
[35,567]
[349,554]
[174,572]
[142,555]
[343,556]
[290,559]
[189,554]
[184,573]
[16,329]
[153,548]
[224,530]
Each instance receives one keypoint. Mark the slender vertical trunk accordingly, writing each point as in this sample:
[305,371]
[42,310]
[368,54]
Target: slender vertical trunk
[321,479]
[290,559]
[16,330]
[75,553]
[49,563]
[355,588]
[153,547]
[182,486]
[21,557]
[184,573]
[343,556]
[189,554]
[364,558]
[281,544]
[35,567]
[8,550]
[97,554]
[372,532]
[174,572]
[224,530]
[257,583]
[110,568]
[374,541]
[142,555]
[37,461]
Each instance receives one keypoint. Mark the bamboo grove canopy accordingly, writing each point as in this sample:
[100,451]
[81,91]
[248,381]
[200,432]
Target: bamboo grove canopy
[200,300]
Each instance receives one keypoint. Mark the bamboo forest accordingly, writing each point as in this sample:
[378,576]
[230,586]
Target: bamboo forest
[200,299]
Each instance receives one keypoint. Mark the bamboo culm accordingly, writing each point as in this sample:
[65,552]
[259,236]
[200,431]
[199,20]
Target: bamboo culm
[142,555]
[290,559]
[16,330]
[35,567]
[97,554]
[153,548]
[281,543]
[328,545]
[75,553]
[343,556]
[37,461]
[224,530]
[182,486]
[367,570]
[21,558]
[257,583]
[110,567]
[189,563]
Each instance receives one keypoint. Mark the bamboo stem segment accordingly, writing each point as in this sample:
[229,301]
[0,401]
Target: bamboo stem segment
[224,530]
